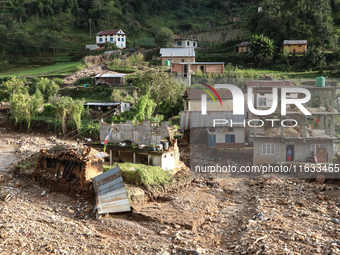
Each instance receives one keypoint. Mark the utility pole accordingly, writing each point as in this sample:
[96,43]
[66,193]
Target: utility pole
[90,21]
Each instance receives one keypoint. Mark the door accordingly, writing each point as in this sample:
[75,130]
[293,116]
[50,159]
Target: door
[212,140]
[293,51]
[230,138]
[321,154]
[290,153]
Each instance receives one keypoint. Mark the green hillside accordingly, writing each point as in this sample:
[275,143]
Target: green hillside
[38,32]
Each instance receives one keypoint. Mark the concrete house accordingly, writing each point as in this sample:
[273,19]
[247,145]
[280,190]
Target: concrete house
[273,145]
[190,42]
[116,37]
[110,79]
[146,134]
[193,100]
[295,46]
[205,67]
[262,91]
[243,47]
[221,136]
[178,55]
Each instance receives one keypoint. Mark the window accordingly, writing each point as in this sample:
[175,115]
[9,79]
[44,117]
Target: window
[118,39]
[182,60]
[230,138]
[122,45]
[179,43]
[299,45]
[212,129]
[111,39]
[315,146]
[100,39]
[122,39]
[261,94]
[194,44]
[105,39]
[188,43]
[262,101]
[268,149]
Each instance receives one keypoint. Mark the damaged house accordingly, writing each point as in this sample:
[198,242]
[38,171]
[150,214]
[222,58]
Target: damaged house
[69,170]
[124,139]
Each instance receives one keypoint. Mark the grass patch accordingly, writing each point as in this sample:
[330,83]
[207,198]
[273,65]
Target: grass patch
[122,69]
[58,68]
[142,175]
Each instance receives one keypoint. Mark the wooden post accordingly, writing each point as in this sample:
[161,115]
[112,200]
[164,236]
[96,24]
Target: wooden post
[111,158]
[332,126]
[323,99]
[326,124]
[332,100]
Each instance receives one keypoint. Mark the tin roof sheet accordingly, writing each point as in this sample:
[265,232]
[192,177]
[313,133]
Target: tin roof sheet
[109,75]
[293,42]
[177,52]
[111,195]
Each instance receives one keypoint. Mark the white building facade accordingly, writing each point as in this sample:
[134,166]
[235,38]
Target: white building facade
[116,37]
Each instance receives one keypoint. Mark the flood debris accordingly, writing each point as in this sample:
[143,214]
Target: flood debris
[69,170]
[111,195]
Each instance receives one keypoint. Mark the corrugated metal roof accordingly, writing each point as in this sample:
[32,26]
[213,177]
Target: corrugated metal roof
[109,75]
[102,104]
[177,52]
[294,42]
[98,155]
[110,192]
[243,44]
[202,63]
[110,32]
[194,119]
[193,94]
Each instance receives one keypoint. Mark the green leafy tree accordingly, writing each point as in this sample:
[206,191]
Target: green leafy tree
[164,38]
[23,107]
[315,58]
[145,108]
[13,86]
[261,49]
[46,86]
[161,88]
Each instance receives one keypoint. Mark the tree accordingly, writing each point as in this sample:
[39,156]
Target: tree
[261,49]
[47,88]
[315,58]
[22,107]
[145,108]
[164,38]
[162,89]
[13,86]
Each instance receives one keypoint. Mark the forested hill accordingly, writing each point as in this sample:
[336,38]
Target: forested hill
[47,27]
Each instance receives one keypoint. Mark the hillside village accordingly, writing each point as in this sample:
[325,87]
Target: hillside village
[213,135]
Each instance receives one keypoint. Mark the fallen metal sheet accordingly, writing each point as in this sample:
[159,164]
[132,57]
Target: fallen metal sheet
[111,195]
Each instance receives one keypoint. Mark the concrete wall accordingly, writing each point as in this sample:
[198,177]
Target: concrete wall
[243,49]
[220,133]
[107,38]
[195,105]
[207,68]
[135,132]
[184,43]
[302,150]
[298,50]
[91,46]
[178,59]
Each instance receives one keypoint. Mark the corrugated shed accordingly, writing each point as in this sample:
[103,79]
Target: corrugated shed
[244,44]
[194,119]
[177,52]
[111,195]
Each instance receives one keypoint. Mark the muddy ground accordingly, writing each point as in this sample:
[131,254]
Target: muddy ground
[268,215]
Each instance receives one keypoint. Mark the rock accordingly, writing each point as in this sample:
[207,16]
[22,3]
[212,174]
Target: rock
[43,193]
[336,221]
[163,233]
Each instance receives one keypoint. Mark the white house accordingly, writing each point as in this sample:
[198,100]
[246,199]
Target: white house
[185,42]
[116,37]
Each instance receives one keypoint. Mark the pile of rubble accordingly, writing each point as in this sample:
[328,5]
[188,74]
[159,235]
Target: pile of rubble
[90,71]
[287,132]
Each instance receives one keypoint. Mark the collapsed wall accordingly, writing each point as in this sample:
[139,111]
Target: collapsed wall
[69,171]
